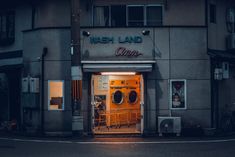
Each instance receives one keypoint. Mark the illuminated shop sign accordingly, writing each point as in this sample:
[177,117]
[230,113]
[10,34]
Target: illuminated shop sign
[112,40]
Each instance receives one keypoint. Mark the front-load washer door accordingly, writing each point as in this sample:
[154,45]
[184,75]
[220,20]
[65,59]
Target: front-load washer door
[132,97]
[117,97]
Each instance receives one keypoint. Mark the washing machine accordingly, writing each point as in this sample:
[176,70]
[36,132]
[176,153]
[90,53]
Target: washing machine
[117,93]
[124,102]
[117,102]
[133,100]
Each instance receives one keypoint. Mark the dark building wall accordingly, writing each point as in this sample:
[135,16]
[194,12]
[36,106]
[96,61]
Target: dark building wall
[23,16]
[57,67]
[52,13]
[218,31]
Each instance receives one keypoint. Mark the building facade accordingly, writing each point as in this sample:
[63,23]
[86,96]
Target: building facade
[141,60]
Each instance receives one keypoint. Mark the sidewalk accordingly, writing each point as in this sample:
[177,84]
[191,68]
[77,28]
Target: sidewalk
[113,138]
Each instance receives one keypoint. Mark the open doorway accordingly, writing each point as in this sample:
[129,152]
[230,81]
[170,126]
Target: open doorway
[10,109]
[117,103]
[4,105]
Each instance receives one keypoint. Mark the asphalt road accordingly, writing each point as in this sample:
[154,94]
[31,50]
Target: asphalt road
[122,148]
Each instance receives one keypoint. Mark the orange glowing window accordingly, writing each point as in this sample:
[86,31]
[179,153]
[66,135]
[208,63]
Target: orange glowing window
[56,95]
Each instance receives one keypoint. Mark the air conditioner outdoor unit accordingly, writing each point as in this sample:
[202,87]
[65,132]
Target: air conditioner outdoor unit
[169,125]
[231,41]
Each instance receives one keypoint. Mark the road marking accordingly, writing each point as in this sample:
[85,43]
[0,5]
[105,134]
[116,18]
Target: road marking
[105,142]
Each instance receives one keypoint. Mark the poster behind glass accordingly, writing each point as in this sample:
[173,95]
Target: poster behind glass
[178,97]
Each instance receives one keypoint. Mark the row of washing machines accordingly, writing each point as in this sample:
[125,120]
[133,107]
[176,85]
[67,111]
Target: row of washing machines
[124,102]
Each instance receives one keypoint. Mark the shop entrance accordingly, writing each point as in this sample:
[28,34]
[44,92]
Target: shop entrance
[117,103]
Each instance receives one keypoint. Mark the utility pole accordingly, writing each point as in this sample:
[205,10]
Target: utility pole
[76,70]
[75,32]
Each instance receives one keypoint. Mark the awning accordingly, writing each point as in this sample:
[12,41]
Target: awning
[222,54]
[11,59]
[117,67]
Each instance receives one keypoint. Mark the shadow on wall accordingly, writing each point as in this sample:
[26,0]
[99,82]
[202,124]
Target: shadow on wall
[159,90]
[152,108]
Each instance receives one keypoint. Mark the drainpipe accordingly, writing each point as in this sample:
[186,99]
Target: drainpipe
[212,94]
[216,102]
[44,53]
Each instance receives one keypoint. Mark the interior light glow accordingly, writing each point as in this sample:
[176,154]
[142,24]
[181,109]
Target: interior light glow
[118,73]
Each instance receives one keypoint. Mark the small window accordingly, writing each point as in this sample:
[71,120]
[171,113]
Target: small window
[132,15]
[101,16]
[178,94]
[118,15]
[7,27]
[212,13]
[56,95]
[135,15]
[154,15]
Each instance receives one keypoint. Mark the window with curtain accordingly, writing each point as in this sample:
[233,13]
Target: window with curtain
[135,15]
[55,95]
[128,15]
[7,27]
[101,16]
[154,15]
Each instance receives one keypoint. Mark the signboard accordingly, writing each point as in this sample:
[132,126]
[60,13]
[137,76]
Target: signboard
[117,44]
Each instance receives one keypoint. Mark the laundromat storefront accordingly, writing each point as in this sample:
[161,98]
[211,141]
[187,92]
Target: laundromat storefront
[117,64]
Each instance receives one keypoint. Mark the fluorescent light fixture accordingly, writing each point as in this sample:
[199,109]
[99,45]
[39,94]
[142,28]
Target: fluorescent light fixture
[118,73]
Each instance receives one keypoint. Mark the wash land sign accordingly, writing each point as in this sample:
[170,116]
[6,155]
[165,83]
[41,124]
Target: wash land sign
[111,40]
[120,51]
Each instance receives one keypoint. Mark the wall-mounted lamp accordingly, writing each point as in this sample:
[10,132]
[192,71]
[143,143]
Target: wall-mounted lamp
[86,33]
[146,32]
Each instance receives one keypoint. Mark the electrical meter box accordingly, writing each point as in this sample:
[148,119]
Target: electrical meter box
[34,85]
[25,85]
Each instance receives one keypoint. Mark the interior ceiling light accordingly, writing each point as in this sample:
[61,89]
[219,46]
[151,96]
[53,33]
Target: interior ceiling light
[118,73]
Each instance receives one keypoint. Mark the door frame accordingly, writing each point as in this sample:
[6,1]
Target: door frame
[92,103]
[142,103]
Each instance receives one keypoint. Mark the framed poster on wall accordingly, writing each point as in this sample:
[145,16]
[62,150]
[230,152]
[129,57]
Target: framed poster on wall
[178,94]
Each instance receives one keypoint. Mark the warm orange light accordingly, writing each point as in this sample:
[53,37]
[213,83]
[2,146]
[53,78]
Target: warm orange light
[118,73]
